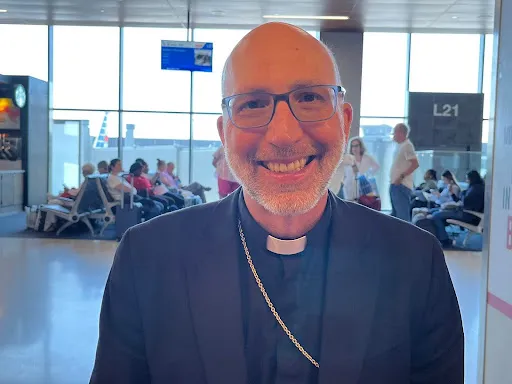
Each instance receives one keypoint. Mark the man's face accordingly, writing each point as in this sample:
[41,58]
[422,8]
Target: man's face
[398,134]
[170,168]
[286,165]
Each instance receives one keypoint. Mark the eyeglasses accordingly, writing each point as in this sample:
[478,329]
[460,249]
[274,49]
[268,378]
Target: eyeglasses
[307,104]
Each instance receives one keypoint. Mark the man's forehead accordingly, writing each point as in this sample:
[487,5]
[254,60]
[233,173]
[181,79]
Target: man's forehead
[278,58]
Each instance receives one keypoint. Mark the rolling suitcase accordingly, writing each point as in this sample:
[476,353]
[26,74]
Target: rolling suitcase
[127,217]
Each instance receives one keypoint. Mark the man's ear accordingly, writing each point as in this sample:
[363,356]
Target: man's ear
[347,119]
[220,128]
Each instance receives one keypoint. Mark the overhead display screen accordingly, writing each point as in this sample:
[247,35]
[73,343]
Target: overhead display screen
[186,56]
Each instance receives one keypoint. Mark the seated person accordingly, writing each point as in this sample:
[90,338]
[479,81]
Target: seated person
[145,189]
[174,184]
[195,188]
[430,181]
[450,192]
[471,200]
[71,193]
[118,186]
[145,171]
[87,170]
[430,184]
[158,188]
[103,167]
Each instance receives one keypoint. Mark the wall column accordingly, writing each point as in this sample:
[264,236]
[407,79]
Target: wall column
[348,51]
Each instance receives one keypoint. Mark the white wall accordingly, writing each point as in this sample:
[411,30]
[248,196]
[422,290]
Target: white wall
[498,248]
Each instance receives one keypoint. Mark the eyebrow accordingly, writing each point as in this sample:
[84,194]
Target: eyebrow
[294,86]
[307,83]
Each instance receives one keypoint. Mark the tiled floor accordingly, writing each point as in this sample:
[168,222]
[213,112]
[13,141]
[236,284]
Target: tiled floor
[50,295]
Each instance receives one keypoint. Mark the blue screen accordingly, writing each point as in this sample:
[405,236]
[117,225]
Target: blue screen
[186,56]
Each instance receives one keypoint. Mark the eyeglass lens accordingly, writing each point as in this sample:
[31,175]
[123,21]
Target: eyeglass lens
[307,105]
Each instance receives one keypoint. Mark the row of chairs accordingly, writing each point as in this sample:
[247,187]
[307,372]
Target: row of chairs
[93,202]
[470,228]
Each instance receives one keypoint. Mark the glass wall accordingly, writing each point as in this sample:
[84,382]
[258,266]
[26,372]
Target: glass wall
[107,84]
[444,63]
[86,67]
[76,138]
[395,63]
[384,84]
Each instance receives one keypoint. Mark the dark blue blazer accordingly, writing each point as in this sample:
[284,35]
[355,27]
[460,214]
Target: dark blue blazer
[171,312]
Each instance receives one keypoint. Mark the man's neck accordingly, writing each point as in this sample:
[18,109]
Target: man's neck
[286,227]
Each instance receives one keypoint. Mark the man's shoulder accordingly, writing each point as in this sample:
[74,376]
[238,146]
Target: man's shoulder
[392,243]
[383,229]
[408,144]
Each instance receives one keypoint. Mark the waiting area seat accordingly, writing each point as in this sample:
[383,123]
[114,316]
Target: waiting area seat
[87,203]
[108,214]
[472,229]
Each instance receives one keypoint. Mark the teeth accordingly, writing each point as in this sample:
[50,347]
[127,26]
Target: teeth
[294,166]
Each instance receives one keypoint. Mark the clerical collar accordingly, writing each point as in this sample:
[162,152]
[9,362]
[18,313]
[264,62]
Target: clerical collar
[260,238]
[286,247]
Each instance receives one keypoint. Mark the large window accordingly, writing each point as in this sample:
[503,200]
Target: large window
[79,137]
[153,136]
[105,108]
[86,67]
[377,136]
[444,63]
[146,87]
[24,50]
[384,78]
[205,142]
[207,86]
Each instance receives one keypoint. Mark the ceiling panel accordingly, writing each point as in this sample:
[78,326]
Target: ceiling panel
[385,15]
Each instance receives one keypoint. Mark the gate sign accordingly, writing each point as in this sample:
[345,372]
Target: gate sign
[451,121]
[186,56]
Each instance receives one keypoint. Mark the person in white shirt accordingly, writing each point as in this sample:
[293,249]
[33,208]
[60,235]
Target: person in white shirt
[404,165]
[118,185]
[364,162]
[357,161]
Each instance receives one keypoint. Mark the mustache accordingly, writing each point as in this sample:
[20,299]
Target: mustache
[287,152]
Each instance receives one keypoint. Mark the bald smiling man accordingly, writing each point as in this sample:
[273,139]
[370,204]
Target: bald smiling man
[281,282]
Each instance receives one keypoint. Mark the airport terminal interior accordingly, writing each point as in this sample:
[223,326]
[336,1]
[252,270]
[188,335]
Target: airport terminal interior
[97,90]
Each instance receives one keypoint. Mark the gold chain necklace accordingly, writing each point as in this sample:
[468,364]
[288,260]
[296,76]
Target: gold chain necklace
[269,303]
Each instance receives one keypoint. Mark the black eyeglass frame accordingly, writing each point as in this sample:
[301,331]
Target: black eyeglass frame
[277,97]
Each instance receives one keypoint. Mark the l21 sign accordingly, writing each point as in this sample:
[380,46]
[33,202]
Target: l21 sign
[446,121]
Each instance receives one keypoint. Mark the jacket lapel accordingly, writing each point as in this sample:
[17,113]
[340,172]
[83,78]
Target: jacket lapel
[350,294]
[215,301]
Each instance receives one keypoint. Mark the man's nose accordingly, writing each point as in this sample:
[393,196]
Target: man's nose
[284,129]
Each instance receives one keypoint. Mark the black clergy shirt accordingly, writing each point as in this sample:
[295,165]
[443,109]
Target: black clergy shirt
[295,285]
